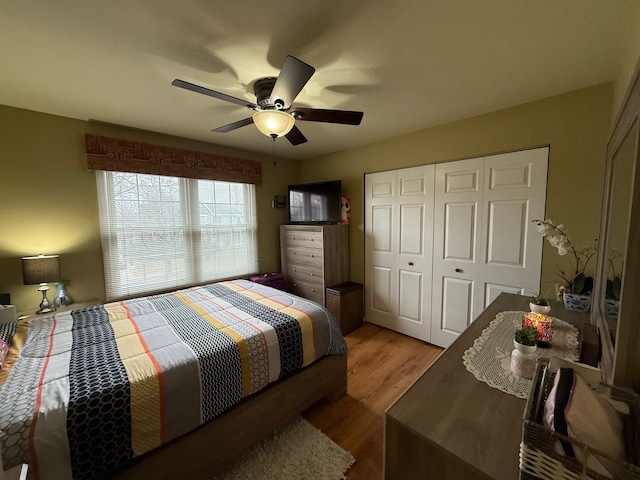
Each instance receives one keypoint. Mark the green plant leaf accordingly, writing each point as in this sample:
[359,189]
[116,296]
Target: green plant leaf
[526,336]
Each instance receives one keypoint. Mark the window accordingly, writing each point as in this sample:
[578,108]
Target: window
[161,232]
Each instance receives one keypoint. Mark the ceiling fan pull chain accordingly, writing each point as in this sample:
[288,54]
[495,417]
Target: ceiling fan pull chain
[273,150]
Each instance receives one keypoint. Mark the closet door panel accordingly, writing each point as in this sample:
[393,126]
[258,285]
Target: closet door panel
[457,305]
[514,195]
[414,259]
[398,249]
[382,300]
[412,230]
[492,291]
[410,301]
[456,255]
[506,233]
[381,247]
[459,236]
[382,235]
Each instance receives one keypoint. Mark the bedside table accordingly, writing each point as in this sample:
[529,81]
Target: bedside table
[345,302]
[73,306]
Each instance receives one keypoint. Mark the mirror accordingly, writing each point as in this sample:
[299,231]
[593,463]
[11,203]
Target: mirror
[616,293]
[619,211]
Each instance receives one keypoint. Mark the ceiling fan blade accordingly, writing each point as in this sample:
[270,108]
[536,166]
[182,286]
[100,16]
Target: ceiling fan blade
[232,126]
[212,93]
[346,117]
[295,136]
[293,77]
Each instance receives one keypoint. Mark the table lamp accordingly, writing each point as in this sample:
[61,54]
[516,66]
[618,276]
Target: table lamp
[41,269]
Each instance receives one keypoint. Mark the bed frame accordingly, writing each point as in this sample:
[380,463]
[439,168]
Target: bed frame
[213,446]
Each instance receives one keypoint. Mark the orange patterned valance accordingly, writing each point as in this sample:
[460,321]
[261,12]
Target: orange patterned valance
[114,154]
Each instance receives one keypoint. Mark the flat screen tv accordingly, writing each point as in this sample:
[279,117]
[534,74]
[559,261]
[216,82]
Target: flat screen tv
[315,202]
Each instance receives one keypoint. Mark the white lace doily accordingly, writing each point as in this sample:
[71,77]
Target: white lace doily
[489,359]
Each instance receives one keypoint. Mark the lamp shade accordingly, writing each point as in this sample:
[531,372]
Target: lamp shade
[273,123]
[40,269]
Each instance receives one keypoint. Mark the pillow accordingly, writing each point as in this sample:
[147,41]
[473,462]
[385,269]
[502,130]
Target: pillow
[574,410]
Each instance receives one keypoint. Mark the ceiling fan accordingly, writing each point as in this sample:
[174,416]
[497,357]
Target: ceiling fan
[273,114]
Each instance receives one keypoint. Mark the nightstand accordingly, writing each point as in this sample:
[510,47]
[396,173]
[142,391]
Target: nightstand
[345,302]
[73,306]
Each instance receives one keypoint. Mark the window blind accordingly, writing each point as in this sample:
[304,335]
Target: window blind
[160,232]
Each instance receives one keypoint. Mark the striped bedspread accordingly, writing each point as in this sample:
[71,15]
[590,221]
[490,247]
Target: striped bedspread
[84,391]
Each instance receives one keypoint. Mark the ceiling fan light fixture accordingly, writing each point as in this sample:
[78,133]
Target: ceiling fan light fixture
[273,123]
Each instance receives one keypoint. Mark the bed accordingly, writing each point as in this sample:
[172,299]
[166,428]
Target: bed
[177,384]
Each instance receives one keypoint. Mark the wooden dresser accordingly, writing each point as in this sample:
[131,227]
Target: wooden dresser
[314,257]
[449,425]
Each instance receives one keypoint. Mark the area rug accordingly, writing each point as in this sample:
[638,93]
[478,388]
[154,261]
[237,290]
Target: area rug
[297,451]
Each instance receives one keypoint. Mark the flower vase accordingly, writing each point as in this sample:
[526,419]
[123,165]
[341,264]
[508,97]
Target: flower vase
[61,298]
[576,302]
[523,360]
[544,309]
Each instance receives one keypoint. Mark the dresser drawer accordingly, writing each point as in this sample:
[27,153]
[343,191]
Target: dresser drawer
[307,256]
[312,291]
[301,238]
[308,273]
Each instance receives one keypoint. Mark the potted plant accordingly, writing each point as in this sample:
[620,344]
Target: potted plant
[540,303]
[523,357]
[576,285]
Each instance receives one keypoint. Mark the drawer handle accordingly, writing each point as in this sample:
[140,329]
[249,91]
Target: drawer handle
[311,274]
[312,255]
[458,270]
[295,269]
[411,264]
[313,289]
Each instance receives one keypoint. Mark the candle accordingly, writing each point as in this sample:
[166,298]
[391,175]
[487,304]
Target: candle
[543,325]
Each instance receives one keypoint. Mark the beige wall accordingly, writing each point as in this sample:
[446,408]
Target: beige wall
[575,125]
[629,64]
[50,204]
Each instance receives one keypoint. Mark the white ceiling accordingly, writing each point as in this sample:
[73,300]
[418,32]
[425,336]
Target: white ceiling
[407,64]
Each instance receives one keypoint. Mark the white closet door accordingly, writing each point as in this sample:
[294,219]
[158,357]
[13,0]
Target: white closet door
[398,245]
[485,242]
[381,225]
[515,186]
[457,232]
[414,259]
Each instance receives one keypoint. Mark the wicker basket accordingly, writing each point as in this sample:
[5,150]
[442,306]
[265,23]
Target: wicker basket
[538,458]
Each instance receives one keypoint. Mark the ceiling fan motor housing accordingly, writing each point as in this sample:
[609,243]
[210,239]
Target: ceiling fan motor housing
[262,89]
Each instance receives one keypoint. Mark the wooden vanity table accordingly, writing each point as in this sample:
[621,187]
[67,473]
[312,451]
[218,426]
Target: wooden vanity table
[449,425]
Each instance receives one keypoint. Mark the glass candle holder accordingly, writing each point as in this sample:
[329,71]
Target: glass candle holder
[543,325]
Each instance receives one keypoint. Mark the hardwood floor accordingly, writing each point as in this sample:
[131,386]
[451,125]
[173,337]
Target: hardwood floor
[381,365]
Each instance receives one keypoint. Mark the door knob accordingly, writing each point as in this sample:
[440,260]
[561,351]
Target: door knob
[458,270]
[411,264]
